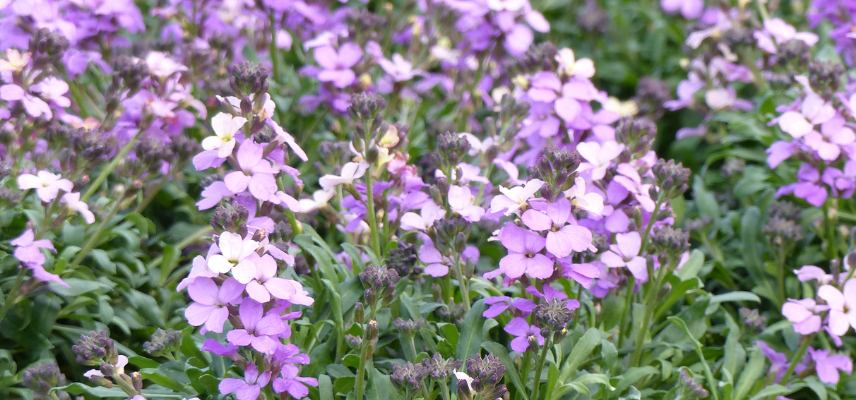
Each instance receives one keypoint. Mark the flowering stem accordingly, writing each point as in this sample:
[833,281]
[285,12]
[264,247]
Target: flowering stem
[370,210]
[105,172]
[829,233]
[651,221]
[465,290]
[540,366]
[806,340]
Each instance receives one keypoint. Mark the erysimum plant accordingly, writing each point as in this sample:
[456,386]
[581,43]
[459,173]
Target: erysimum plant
[489,199]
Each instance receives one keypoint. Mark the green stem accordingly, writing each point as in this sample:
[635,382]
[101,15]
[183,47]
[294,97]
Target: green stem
[806,340]
[628,304]
[111,166]
[13,294]
[93,239]
[540,366]
[648,313]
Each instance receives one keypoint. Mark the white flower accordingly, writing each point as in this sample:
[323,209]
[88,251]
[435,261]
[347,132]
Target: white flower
[350,172]
[233,251]
[570,66]
[72,201]
[512,199]
[591,202]
[225,126]
[47,185]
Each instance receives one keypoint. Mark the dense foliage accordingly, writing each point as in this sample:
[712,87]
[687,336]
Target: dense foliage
[433,199]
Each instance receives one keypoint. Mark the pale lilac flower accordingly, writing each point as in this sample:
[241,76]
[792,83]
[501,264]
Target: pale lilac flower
[461,201]
[812,273]
[35,106]
[625,253]
[435,264]
[225,127]
[259,330]
[162,66]
[813,111]
[53,89]
[233,250]
[199,269]
[429,213]
[777,32]
[598,157]
[398,68]
[524,254]
[248,388]
[351,171]
[803,315]
[28,250]
[523,334]
[336,65]
[259,274]
[256,174]
[828,365]
[689,9]
[842,306]
[515,198]
[563,235]
[47,184]
[210,303]
[72,201]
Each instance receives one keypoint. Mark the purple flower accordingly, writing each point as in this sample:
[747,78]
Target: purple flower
[336,65]
[625,253]
[563,235]
[524,247]
[828,365]
[210,306]
[290,381]
[256,174]
[260,330]
[248,388]
[498,304]
[524,334]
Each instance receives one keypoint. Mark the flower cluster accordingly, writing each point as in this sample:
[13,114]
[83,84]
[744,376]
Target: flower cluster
[238,280]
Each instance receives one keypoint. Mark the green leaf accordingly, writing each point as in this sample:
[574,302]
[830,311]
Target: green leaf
[581,350]
[471,330]
[691,268]
[750,375]
[380,386]
[705,201]
[325,387]
[99,392]
[633,375]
